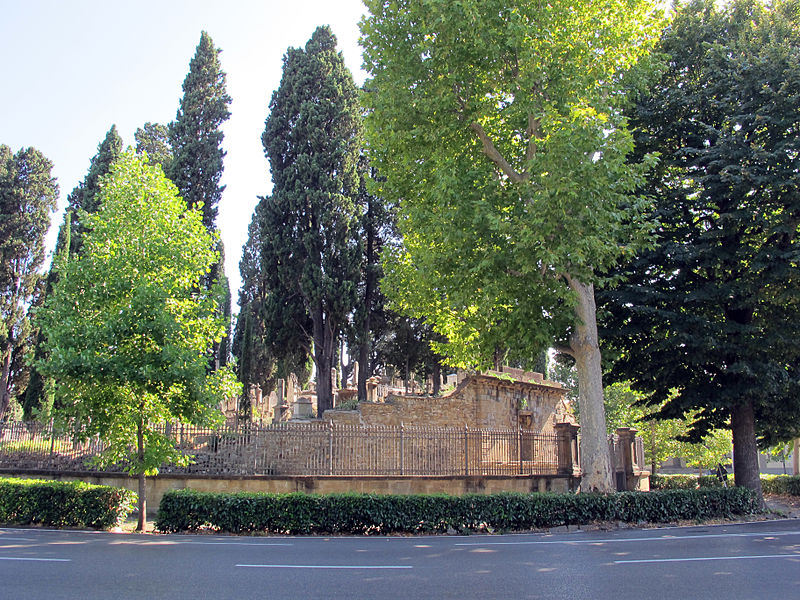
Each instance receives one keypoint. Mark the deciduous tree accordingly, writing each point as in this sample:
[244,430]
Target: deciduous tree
[711,310]
[498,128]
[128,324]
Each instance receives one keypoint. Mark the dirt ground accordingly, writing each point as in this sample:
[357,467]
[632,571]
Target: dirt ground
[786,506]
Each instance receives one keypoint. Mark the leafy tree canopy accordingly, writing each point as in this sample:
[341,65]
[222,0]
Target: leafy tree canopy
[128,325]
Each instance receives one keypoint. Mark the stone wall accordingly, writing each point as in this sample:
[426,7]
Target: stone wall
[492,400]
[453,485]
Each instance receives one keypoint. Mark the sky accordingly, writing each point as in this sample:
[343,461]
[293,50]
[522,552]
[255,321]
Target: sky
[73,68]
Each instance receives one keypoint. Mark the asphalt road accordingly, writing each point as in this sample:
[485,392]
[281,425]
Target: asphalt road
[757,560]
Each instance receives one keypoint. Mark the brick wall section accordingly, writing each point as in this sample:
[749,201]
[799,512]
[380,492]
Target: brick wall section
[480,401]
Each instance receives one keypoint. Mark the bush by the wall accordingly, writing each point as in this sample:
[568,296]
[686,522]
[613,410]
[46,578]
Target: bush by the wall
[63,504]
[781,484]
[685,482]
[190,510]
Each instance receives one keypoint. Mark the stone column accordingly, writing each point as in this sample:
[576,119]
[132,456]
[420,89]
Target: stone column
[627,442]
[569,462]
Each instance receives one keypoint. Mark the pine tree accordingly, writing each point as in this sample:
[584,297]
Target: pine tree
[28,194]
[309,226]
[196,166]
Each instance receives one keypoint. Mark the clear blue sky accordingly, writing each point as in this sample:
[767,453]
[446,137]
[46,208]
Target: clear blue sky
[72,68]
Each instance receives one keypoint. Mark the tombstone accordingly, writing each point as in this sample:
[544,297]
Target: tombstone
[281,390]
[292,388]
[452,379]
[355,374]
[272,404]
[302,408]
[372,389]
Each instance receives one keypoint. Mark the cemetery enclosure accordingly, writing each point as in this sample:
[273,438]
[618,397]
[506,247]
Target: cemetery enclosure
[315,449]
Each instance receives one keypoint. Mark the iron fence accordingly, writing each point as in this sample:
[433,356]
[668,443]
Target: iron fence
[316,448]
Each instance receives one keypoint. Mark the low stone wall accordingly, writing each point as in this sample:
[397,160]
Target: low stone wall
[453,485]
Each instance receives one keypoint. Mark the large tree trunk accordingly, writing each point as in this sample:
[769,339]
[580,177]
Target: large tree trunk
[5,379]
[745,451]
[584,343]
[141,525]
[324,346]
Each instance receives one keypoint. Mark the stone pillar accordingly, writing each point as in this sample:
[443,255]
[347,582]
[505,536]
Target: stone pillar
[372,389]
[627,442]
[355,374]
[569,460]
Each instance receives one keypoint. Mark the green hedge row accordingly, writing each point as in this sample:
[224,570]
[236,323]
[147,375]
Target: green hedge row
[63,504]
[685,482]
[781,484]
[770,484]
[190,510]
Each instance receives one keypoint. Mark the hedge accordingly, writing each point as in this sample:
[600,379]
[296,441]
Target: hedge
[297,513]
[63,503]
[685,482]
[770,484]
[781,484]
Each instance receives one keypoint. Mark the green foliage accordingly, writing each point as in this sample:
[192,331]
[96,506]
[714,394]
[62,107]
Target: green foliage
[28,194]
[781,484]
[63,504]
[128,326]
[683,482]
[496,127]
[309,225]
[710,310]
[70,242]
[190,510]
[153,139]
[195,135]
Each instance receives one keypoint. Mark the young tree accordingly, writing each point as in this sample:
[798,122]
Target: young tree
[70,240]
[128,324]
[196,166]
[498,127]
[711,309]
[28,194]
[309,229]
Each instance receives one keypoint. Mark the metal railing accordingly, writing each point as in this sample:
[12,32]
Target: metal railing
[317,448]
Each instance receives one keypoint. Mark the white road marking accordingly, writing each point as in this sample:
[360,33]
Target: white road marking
[36,559]
[327,566]
[642,539]
[699,559]
[15,539]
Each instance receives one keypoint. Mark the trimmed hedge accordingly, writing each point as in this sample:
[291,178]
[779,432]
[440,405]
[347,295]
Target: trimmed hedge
[781,484]
[685,482]
[63,503]
[297,513]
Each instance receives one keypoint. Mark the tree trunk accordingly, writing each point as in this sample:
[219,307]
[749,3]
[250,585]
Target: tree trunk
[437,378]
[595,456]
[141,525]
[324,350]
[745,451]
[5,380]
[796,457]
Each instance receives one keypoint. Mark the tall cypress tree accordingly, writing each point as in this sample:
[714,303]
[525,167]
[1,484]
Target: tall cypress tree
[310,222]
[28,194]
[196,166]
[70,241]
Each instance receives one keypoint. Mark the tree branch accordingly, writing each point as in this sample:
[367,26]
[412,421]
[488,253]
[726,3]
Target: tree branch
[564,350]
[495,156]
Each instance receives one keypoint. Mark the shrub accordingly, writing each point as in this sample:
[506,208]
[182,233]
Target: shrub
[781,484]
[190,510]
[685,482]
[63,504]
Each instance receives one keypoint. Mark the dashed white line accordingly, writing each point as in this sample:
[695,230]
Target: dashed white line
[35,559]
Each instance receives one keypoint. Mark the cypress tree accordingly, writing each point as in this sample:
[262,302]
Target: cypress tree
[196,166]
[309,229]
[28,194]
